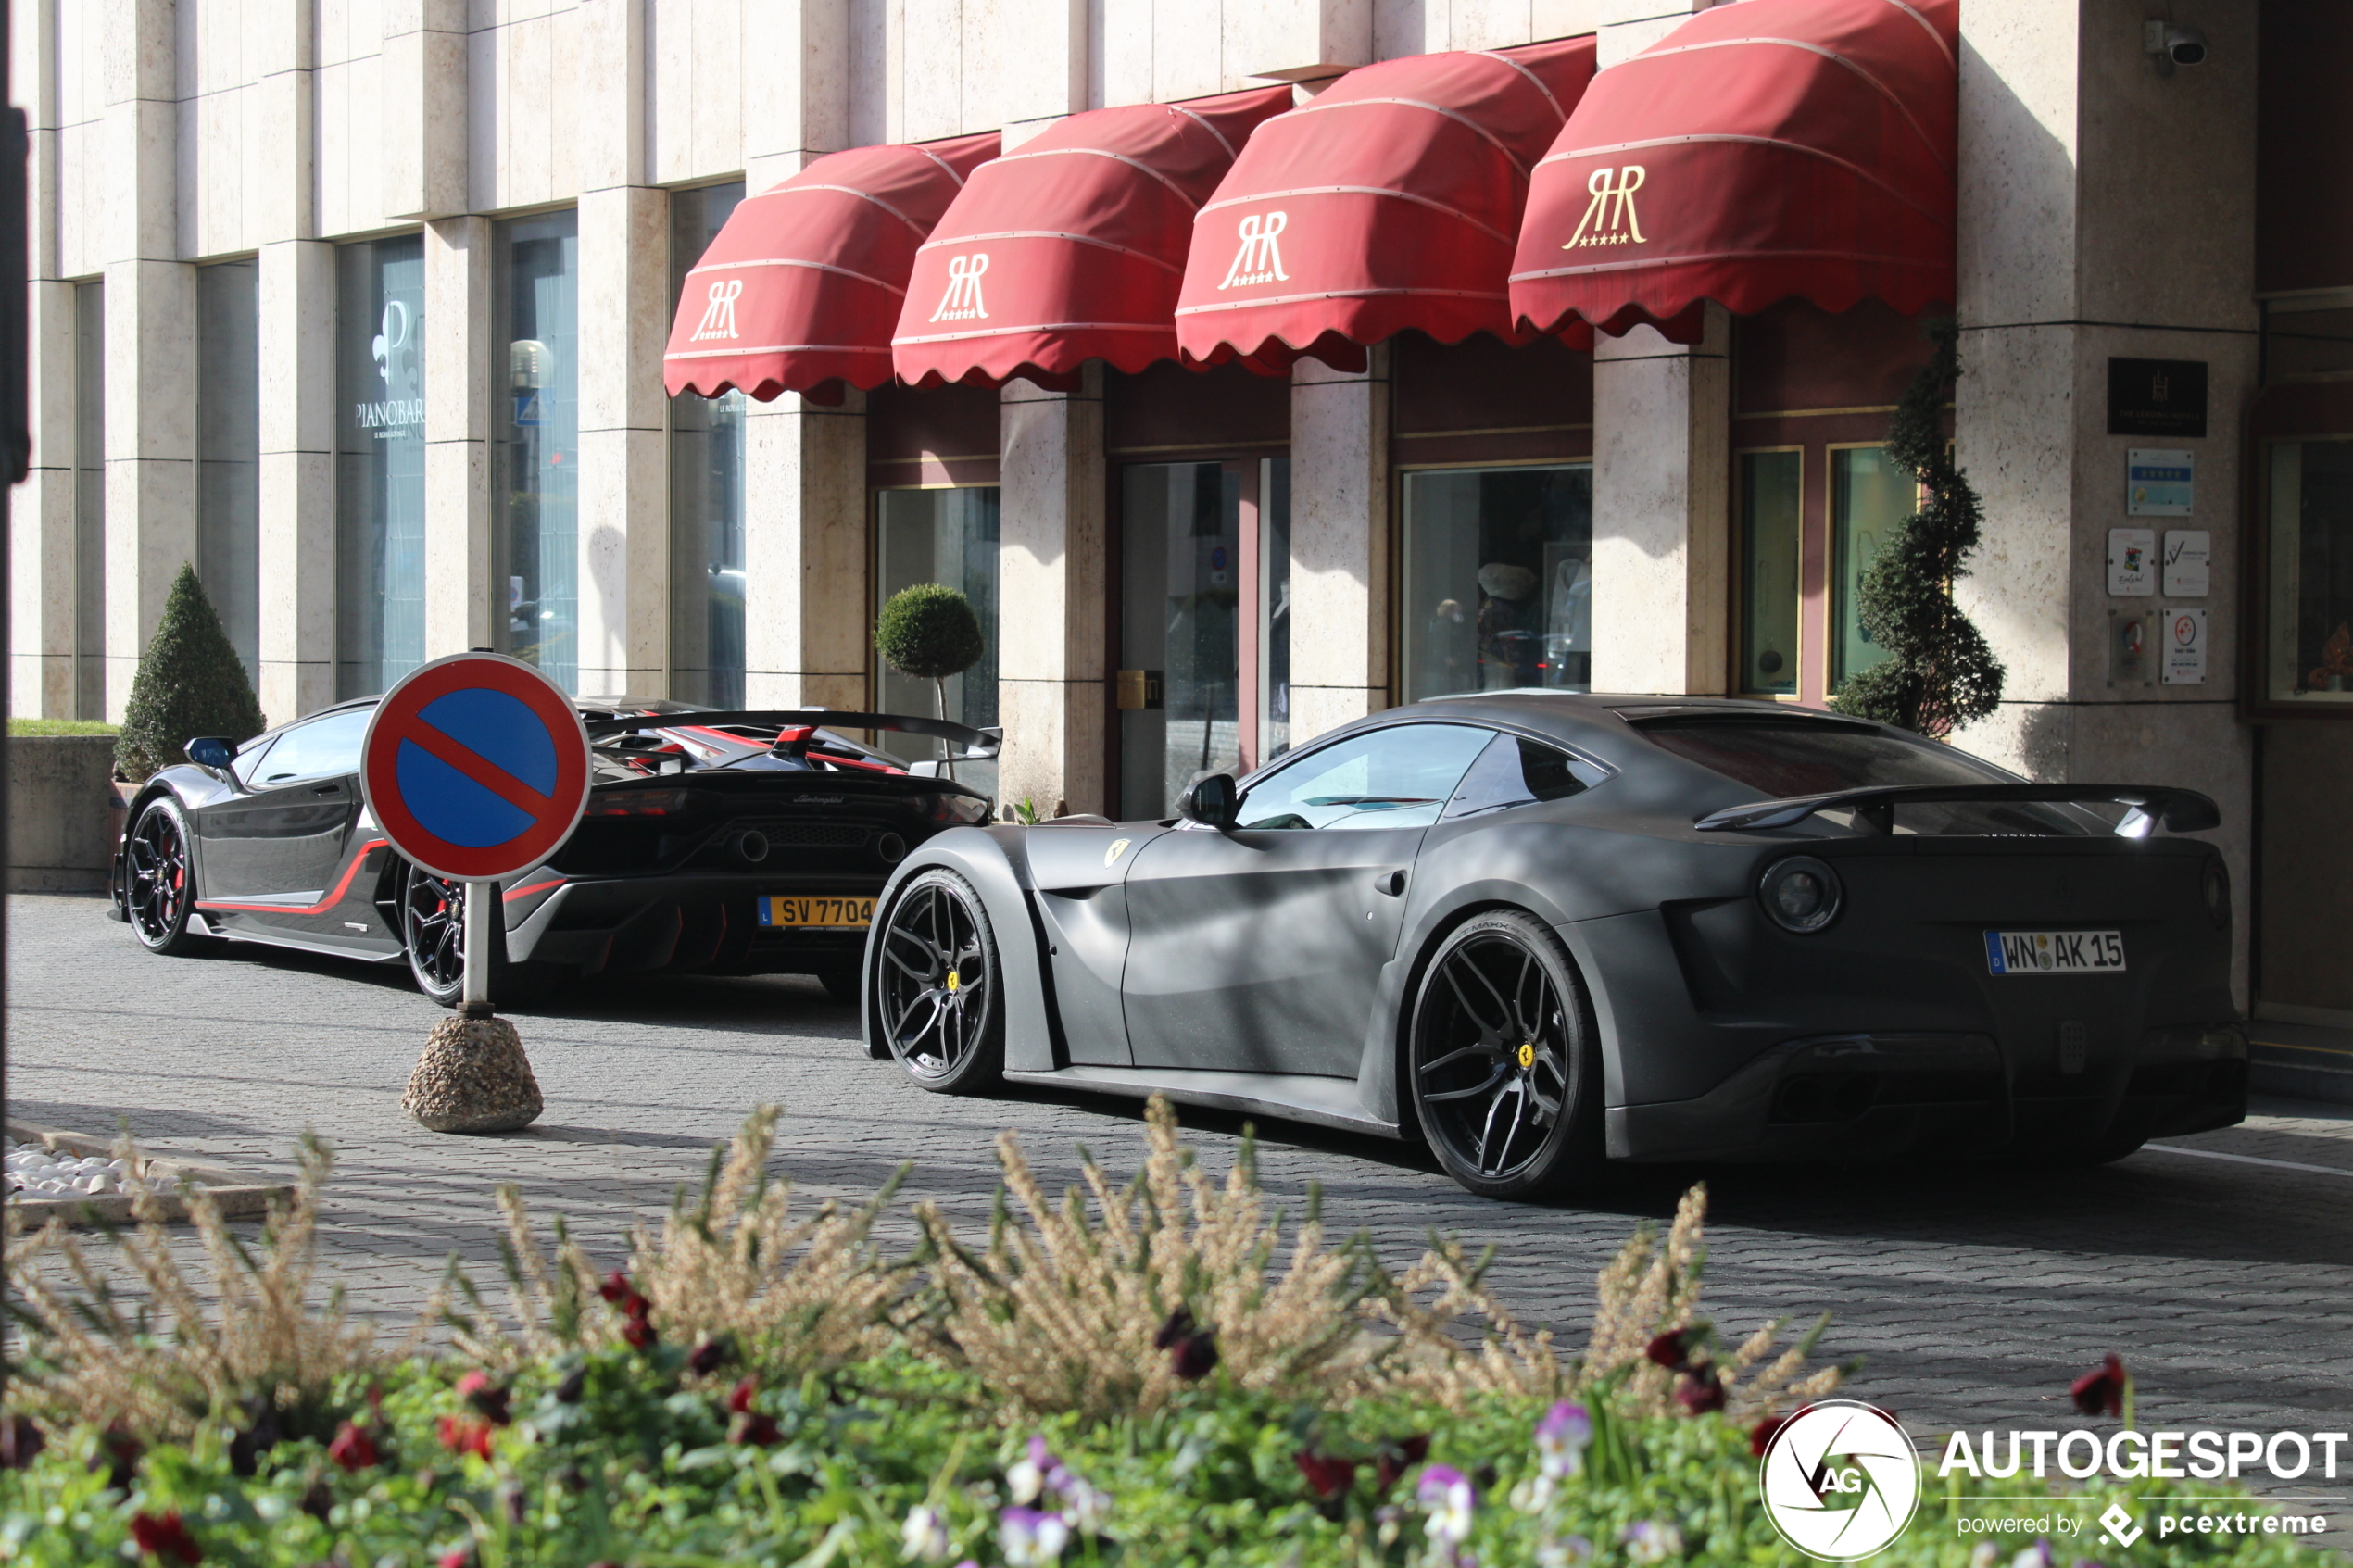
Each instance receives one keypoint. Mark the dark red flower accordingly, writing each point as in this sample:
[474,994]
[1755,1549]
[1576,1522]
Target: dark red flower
[1761,1436]
[318,1500]
[1699,1391]
[455,1557]
[1195,1358]
[616,1285]
[575,1384]
[739,1397]
[353,1449]
[1179,1327]
[164,1536]
[464,1434]
[118,1453]
[1329,1476]
[2101,1390]
[1398,1456]
[710,1355]
[637,1329]
[20,1442]
[756,1431]
[1673,1349]
[488,1399]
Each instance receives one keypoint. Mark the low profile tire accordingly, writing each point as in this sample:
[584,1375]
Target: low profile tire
[160,882]
[936,1000]
[432,932]
[1503,1060]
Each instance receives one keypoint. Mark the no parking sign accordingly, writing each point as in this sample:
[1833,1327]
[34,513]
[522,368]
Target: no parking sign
[475,766]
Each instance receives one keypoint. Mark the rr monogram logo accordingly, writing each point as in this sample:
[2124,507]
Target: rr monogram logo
[962,302]
[1260,259]
[719,310]
[1609,218]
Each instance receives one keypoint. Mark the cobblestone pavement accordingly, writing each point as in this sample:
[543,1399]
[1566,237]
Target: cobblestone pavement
[2220,1266]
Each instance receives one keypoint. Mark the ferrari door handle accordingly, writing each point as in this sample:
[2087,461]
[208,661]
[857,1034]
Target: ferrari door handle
[1390,882]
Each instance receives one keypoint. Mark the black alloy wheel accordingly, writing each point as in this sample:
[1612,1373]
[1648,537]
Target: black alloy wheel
[160,882]
[935,998]
[1507,1080]
[432,929]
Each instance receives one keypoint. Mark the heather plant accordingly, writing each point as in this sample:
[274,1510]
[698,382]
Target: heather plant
[162,1361]
[189,682]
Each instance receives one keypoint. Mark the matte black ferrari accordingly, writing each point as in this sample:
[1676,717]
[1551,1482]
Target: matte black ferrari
[1544,930]
[727,842]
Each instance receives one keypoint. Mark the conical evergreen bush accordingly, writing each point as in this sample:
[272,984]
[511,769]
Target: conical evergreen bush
[190,682]
[1940,673]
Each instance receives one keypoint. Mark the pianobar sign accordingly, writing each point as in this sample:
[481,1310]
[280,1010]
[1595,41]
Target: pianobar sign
[475,766]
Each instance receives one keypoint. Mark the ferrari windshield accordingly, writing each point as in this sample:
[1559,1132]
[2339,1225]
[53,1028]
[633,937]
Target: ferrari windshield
[1781,757]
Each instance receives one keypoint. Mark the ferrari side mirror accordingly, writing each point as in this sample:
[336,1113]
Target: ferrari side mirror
[1211,801]
[210,752]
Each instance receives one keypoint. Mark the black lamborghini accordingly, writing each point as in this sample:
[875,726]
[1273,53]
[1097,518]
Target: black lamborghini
[730,843]
[1542,930]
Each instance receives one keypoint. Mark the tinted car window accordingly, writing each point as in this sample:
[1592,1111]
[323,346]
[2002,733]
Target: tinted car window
[322,748]
[1399,777]
[1784,758]
[248,766]
[1515,770]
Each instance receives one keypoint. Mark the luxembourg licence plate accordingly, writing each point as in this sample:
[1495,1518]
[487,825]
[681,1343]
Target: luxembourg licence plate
[2055,952]
[820,914]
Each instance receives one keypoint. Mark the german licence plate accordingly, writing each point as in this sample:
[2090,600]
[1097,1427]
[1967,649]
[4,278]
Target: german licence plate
[2055,952]
[820,914]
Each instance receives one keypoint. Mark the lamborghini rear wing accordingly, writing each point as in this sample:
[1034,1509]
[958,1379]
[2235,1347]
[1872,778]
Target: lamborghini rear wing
[2181,810]
[977,744]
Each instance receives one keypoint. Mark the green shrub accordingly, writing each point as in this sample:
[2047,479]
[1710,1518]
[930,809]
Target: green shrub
[62,727]
[190,682]
[929,632]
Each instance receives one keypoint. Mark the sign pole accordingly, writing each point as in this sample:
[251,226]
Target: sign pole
[481,904]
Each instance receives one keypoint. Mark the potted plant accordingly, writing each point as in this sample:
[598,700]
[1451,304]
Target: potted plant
[929,631]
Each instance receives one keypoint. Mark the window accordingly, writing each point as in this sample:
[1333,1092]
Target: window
[536,423]
[1772,521]
[2308,655]
[1498,580]
[948,536]
[1870,497]
[1515,770]
[1180,630]
[380,463]
[706,494]
[1399,777]
[1274,610]
[326,748]
[229,454]
[90,500]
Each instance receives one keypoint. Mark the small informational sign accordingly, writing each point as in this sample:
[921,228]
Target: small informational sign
[2132,562]
[2156,397]
[2128,647]
[2158,482]
[2184,646]
[2187,554]
[527,408]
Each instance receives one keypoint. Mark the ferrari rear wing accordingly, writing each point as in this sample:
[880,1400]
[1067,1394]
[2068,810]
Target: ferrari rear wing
[2181,810]
[977,744]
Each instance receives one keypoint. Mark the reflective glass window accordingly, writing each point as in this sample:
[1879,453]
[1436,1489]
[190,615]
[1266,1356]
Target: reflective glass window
[1273,609]
[1399,777]
[380,463]
[1180,646]
[229,454]
[536,422]
[1772,501]
[1515,770]
[1498,586]
[1870,499]
[945,535]
[2310,625]
[90,500]
[327,747]
[706,494]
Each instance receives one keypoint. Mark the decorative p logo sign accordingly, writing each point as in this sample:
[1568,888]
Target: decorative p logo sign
[1609,218]
[1259,259]
[719,310]
[962,302]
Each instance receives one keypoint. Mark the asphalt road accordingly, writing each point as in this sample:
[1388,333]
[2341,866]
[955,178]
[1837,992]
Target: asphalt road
[1973,1290]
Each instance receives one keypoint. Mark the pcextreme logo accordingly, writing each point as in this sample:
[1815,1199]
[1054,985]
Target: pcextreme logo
[1610,218]
[1840,1481]
[963,302]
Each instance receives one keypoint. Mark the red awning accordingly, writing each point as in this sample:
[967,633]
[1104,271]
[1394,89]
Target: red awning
[1392,200]
[1071,247]
[1763,150]
[802,286]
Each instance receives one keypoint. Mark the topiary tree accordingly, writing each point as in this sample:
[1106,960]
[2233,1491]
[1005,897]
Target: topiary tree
[929,632]
[190,682]
[1939,673]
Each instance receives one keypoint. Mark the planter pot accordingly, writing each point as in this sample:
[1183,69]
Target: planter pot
[64,818]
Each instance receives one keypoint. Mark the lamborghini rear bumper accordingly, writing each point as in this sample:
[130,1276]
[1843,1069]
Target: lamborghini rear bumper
[694,922]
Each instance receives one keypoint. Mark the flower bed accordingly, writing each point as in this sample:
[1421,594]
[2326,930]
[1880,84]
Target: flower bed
[1165,1377]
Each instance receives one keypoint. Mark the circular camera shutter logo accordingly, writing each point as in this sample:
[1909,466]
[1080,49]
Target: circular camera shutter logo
[1840,1481]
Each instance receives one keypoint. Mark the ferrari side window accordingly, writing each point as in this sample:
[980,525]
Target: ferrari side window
[1399,777]
[1515,770]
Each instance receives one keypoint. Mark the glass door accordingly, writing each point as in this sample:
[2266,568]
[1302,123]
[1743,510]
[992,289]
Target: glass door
[1179,644]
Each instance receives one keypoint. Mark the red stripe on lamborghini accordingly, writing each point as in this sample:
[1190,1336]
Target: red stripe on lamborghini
[329,902]
[534,887]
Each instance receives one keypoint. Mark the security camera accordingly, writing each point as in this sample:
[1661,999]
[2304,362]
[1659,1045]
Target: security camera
[2172,46]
